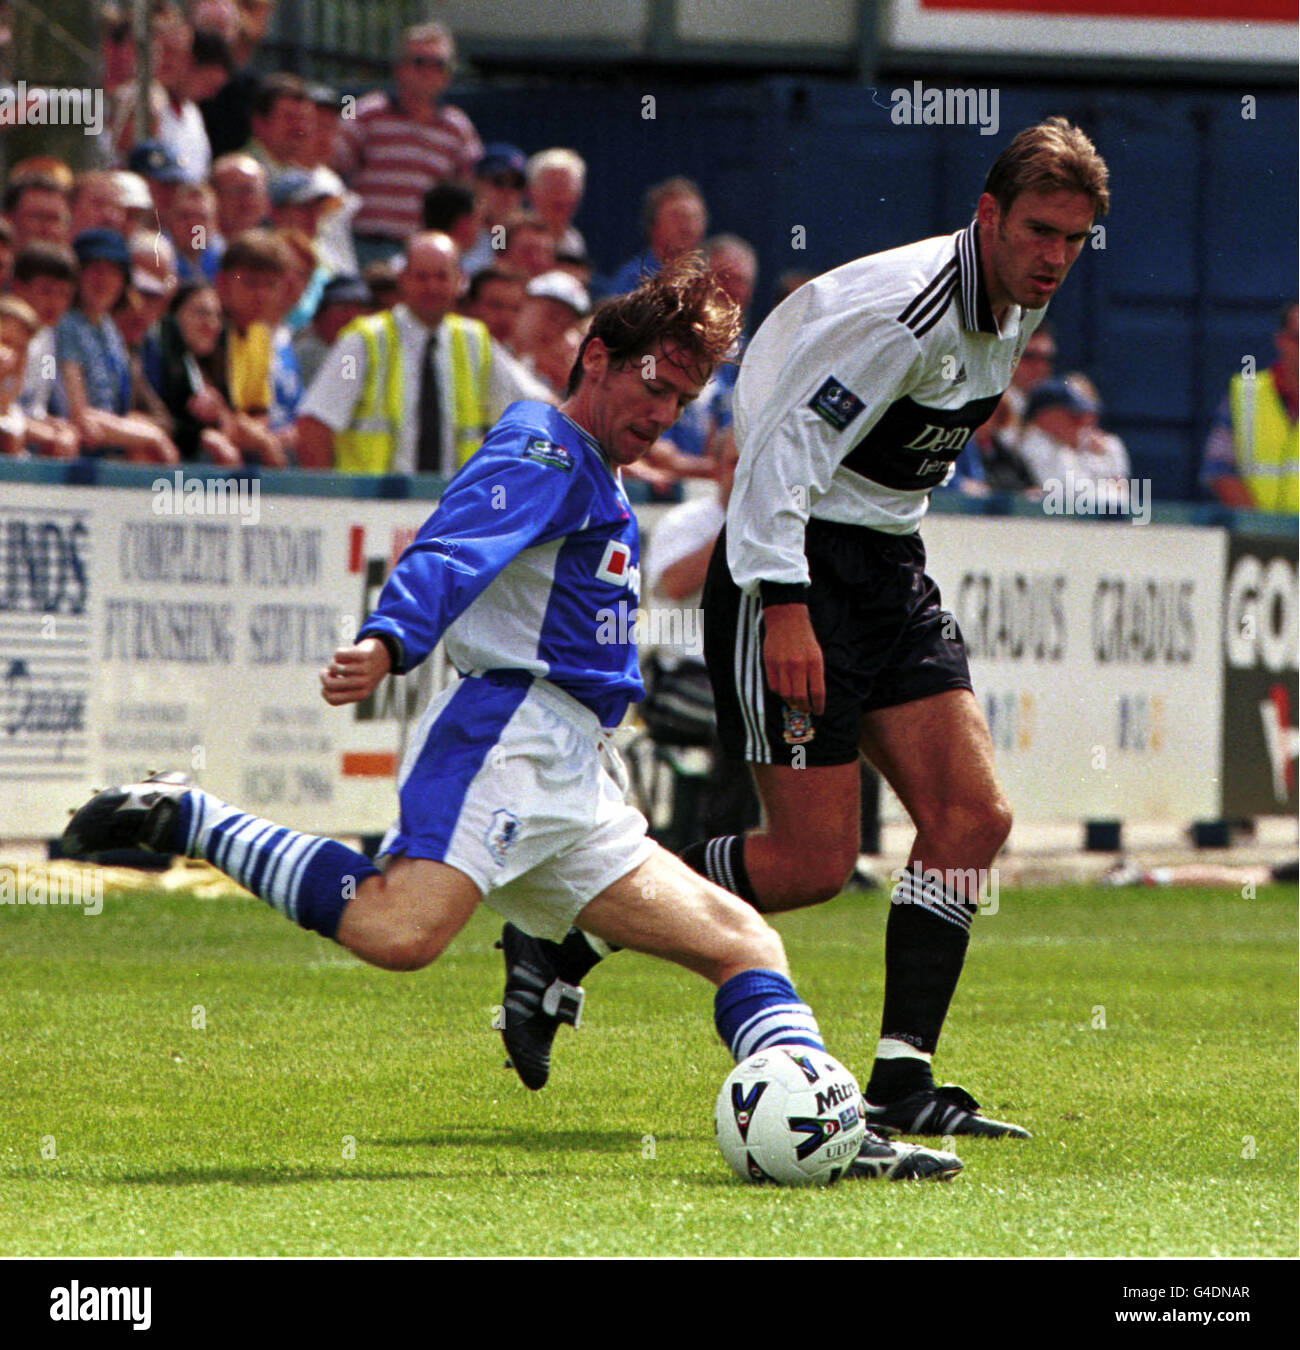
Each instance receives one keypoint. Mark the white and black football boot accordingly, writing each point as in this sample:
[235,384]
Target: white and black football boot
[939,1111]
[139,815]
[891,1160]
[535,1002]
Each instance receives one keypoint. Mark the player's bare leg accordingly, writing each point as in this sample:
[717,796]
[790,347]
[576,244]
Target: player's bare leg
[665,909]
[406,917]
[400,920]
[937,755]
[806,848]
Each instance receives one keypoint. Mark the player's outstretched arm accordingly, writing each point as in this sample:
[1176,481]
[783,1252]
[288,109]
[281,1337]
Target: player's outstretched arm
[354,672]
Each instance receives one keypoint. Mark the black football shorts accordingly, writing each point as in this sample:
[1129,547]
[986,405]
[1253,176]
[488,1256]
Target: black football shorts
[884,635]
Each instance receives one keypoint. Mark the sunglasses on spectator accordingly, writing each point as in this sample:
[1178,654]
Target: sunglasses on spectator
[1039,356]
[428,62]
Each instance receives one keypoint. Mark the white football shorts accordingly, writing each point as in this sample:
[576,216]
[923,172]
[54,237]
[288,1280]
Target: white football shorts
[515,783]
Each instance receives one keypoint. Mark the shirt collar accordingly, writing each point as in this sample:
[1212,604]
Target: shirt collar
[973,294]
[406,316]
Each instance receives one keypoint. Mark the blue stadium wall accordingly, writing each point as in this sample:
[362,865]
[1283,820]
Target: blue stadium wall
[1200,242]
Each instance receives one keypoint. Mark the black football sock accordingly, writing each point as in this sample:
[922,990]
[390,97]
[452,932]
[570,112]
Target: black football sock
[925,947]
[722,861]
[576,955]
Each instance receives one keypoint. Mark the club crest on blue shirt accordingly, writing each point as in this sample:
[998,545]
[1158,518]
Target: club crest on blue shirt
[547,452]
[502,833]
[836,403]
[796,727]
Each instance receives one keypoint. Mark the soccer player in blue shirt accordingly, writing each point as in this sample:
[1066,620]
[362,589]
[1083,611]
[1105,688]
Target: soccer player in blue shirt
[511,793]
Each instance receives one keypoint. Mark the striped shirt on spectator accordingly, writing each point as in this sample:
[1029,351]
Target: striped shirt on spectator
[391,161]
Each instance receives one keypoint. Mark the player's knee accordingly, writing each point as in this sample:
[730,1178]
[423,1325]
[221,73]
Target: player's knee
[410,946]
[819,869]
[977,828]
[824,876]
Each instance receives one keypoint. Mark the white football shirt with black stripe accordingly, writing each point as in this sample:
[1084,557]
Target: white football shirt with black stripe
[857,394]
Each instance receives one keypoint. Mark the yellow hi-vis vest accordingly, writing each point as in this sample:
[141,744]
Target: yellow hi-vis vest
[1264,437]
[368,445]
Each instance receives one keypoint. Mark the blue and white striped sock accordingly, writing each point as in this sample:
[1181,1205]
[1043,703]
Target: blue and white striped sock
[758,1008]
[306,878]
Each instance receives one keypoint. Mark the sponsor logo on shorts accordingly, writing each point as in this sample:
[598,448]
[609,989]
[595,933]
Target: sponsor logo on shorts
[796,727]
[547,452]
[502,833]
[836,403]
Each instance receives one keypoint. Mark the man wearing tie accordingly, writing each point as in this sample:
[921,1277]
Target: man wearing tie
[408,390]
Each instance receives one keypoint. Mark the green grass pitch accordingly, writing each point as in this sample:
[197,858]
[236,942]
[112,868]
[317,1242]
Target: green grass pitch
[195,1076]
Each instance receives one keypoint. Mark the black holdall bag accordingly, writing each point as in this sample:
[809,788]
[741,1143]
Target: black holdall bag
[678,704]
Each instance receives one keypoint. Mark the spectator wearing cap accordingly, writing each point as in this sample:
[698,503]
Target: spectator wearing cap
[403,142]
[38,209]
[344,298]
[156,164]
[499,186]
[1061,436]
[675,220]
[548,333]
[97,202]
[304,200]
[94,370]
[556,180]
[174,120]
[137,201]
[411,389]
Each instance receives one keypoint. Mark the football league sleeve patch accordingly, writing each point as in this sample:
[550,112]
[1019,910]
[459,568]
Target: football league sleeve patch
[542,451]
[836,403]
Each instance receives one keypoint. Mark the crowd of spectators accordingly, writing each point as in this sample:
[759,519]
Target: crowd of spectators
[264,270]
